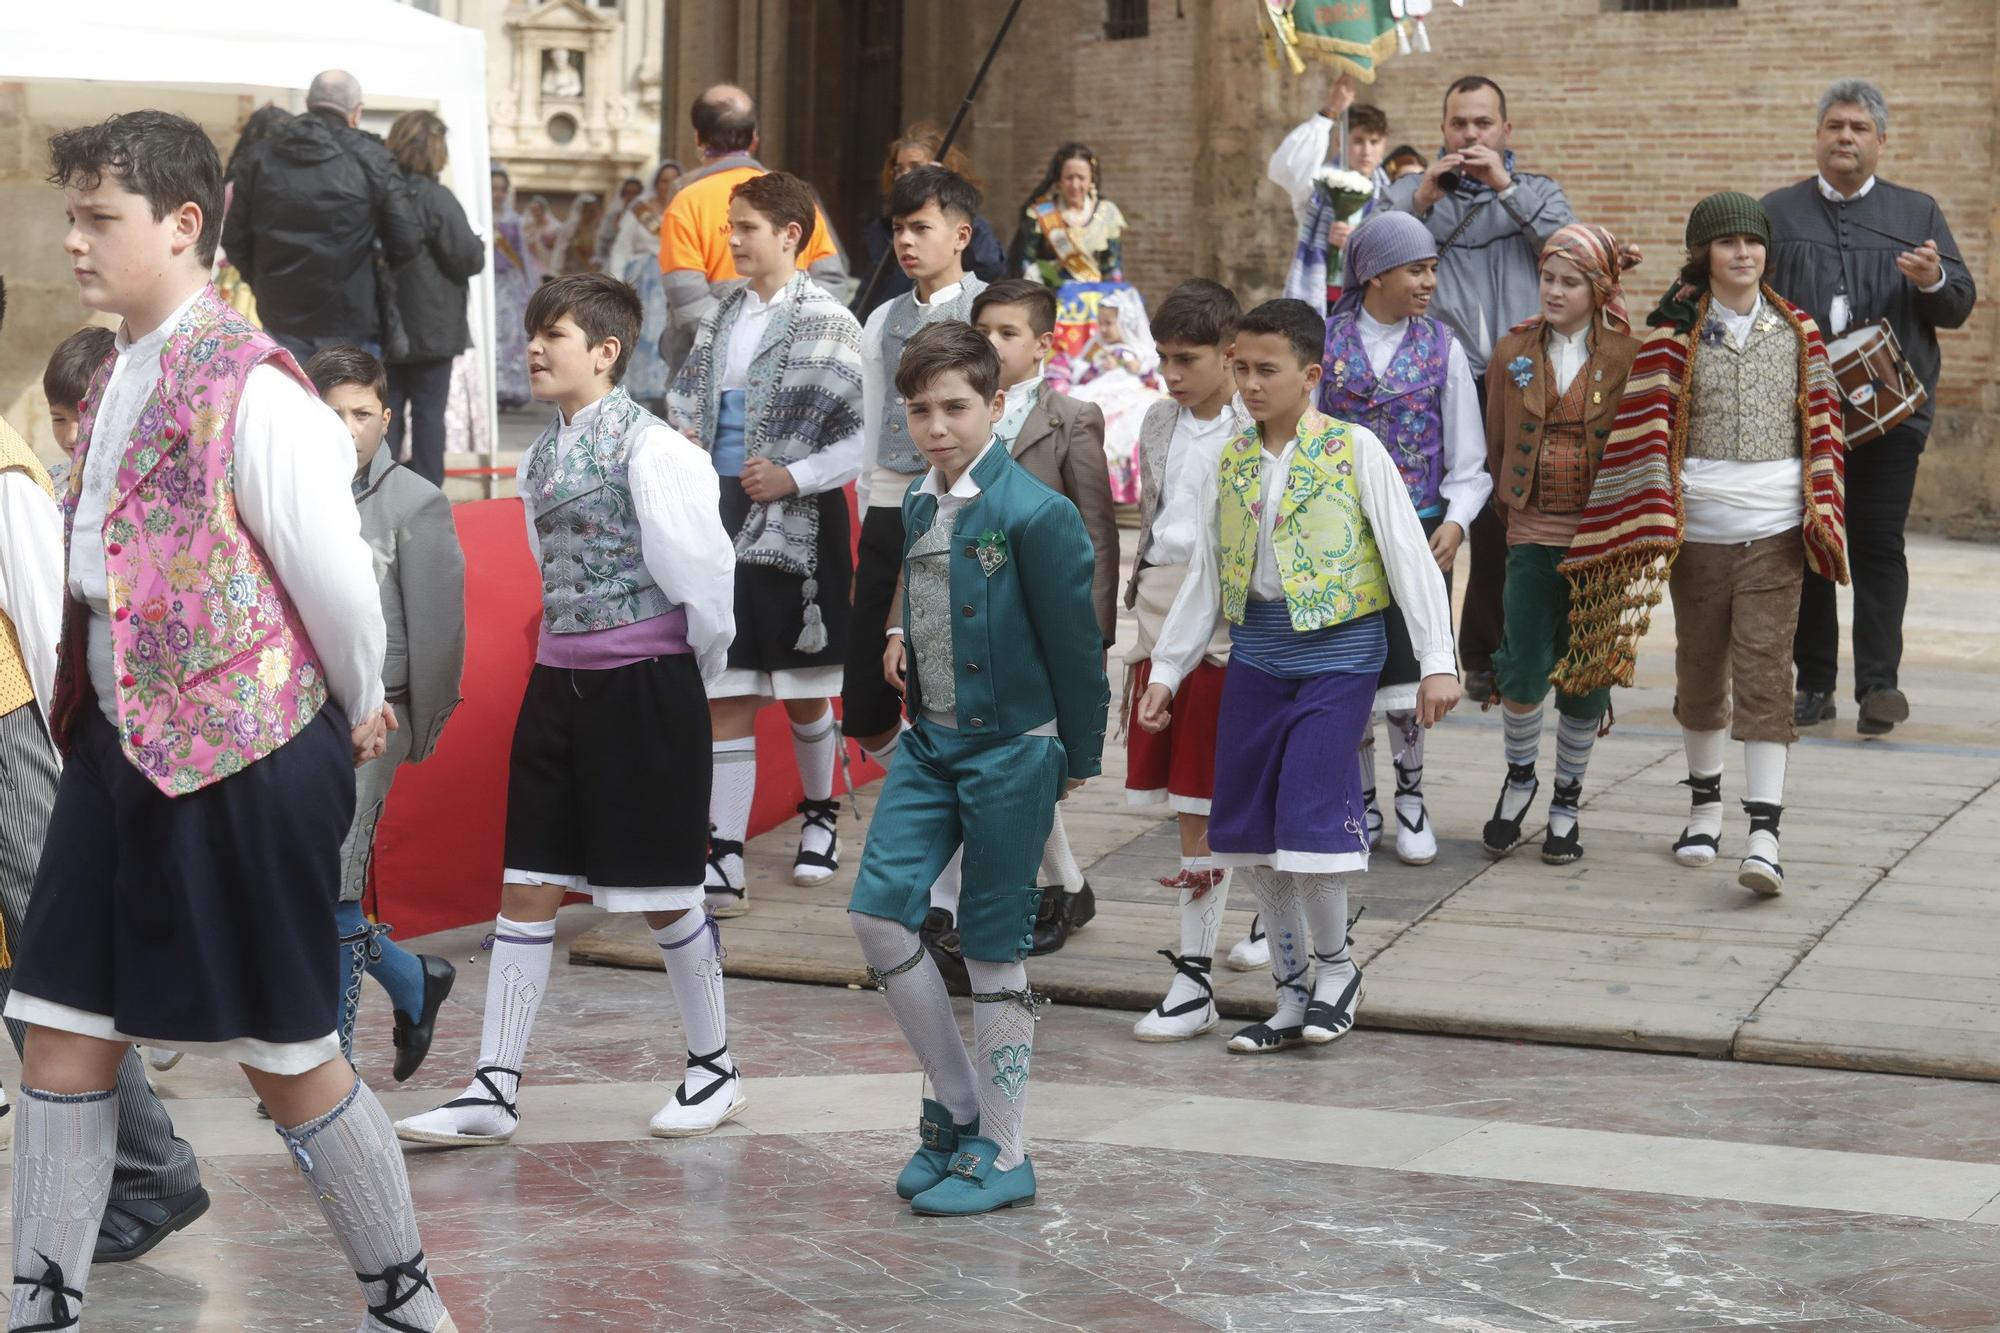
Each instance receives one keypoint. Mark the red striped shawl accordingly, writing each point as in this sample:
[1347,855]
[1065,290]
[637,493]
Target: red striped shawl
[1631,530]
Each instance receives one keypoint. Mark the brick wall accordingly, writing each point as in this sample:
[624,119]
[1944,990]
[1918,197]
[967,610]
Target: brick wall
[1638,115]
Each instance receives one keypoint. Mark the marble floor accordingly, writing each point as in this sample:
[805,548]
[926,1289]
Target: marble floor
[1394,1181]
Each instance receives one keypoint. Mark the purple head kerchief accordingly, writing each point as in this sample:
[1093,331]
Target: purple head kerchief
[1387,240]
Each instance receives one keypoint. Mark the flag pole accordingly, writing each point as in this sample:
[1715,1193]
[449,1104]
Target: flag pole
[950,135]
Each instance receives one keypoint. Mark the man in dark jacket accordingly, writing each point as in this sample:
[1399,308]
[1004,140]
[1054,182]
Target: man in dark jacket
[1852,248]
[312,205]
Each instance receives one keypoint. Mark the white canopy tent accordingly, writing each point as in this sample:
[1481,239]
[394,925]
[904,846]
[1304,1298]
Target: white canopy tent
[270,50]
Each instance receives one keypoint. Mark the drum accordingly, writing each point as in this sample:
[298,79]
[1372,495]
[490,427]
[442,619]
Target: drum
[1878,389]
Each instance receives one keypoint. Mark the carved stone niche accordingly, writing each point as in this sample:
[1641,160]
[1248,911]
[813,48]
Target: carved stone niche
[561,115]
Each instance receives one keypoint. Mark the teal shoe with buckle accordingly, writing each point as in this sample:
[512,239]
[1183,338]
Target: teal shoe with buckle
[932,1162]
[974,1185]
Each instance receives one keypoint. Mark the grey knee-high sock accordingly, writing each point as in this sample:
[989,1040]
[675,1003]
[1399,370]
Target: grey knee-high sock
[1003,1037]
[900,964]
[1278,903]
[354,1167]
[1323,899]
[64,1152]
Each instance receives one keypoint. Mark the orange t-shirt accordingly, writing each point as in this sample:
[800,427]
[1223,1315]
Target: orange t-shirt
[695,232]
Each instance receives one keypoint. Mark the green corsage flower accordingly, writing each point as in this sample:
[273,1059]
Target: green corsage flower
[992,551]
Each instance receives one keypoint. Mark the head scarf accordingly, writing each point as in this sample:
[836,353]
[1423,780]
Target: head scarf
[1135,331]
[1595,252]
[1383,242]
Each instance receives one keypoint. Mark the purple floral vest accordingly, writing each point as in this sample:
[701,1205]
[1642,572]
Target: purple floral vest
[214,668]
[1405,408]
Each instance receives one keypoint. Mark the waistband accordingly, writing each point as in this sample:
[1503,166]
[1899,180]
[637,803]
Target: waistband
[1267,641]
[603,649]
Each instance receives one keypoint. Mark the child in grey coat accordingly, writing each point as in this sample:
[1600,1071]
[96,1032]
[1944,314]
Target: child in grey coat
[407,522]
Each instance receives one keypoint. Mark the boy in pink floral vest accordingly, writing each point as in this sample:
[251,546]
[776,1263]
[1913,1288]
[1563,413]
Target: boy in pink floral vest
[219,680]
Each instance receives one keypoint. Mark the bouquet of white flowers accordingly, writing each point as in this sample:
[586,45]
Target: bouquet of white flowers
[1347,191]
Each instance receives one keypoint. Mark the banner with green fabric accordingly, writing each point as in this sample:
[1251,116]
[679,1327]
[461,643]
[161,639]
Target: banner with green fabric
[1351,35]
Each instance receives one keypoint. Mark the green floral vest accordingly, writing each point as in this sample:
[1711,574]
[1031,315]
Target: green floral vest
[1331,570]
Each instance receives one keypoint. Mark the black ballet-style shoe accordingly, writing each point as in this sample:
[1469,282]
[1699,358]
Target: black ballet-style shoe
[132,1227]
[412,1036]
[1502,835]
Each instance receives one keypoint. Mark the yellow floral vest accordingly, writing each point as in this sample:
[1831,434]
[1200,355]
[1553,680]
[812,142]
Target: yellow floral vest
[1331,570]
[15,687]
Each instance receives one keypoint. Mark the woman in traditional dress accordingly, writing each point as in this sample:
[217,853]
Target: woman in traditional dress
[543,231]
[576,243]
[635,259]
[1068,232]
[515,276]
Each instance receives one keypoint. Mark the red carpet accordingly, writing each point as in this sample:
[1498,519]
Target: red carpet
[438,852]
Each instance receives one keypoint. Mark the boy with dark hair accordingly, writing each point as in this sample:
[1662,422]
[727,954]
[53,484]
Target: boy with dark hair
[1179,441]
[420,570]
[1308,536]
[1002,660]
[1297,163]
[1060,440]
[930,219]
[607,787]
[207,789]
[772,390]
[64,383]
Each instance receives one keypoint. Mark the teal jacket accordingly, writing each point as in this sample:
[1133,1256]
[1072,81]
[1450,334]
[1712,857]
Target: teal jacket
[1026,645]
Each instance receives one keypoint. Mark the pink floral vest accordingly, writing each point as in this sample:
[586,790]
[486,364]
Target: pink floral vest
[214,669]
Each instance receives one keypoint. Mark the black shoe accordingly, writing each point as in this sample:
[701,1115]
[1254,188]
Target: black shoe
[1812,707]
[1502,835]
[1561,849]
[1480,688]
[1881,710]
[1052,922]
[131,1227]
[940,936]
[1082,907]
[413,1036]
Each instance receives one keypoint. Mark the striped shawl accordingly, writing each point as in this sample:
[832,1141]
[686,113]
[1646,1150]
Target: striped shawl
[804,396]
[1624,549]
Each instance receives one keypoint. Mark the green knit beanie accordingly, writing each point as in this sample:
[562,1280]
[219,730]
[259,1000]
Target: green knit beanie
[1727,214]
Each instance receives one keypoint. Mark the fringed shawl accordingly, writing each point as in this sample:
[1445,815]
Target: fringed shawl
[1631,531]
[805,396]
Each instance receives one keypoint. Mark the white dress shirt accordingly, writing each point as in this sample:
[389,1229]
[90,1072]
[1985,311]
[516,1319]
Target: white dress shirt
[31,578]
[1467,485]
[1020,400]
[828,469]
[1727,502]
[681,538]
[1298,155]
[1414,580]
[881,487]
[294,468]
[1566,353]
[1194,451]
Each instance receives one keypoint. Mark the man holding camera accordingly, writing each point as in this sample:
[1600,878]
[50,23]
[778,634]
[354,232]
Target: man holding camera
[1490,221]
